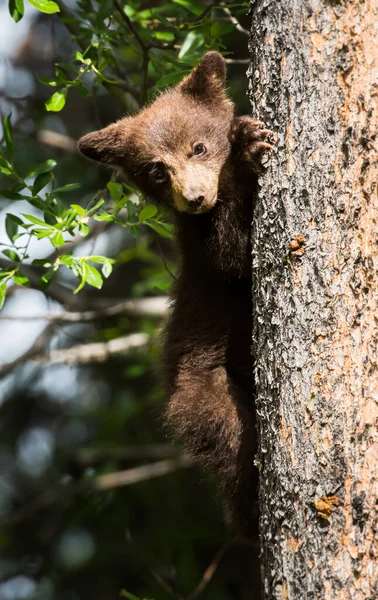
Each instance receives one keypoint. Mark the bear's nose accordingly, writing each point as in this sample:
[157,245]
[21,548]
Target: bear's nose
[194,201]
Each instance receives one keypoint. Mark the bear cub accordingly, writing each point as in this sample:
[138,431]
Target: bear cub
[187,151]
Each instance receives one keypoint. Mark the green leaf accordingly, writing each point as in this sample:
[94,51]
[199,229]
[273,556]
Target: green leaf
[135,230]
[66,259]
[99,259]
[46,6]
[189,6]
[12,255]
[13,195]
[80,271]
[78,209]
[49,218]
[46,279]
[57,101]
[163,20]
[16,9]
[8,135]
[44,167]
[7,274]
[34,220]
[103,217]
[166,230]
[147,212]
[57,239]
[165,36]
[83,90]
[125,594]
[21,279]
[42,233]
[171,79]
[61,76]
[68,187]
[6,170]
[3,291]
[18,187]
[107,269]
[67,66]
[83,229]
[116,190]
[47,81]
[131,209]
[220,29]
[107,263]
[93,277]
[120,204]
[192,42]
[93,209]
[11,225]
[40,182]
[41,262]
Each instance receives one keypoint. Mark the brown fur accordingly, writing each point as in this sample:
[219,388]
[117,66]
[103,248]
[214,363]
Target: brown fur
[208,365]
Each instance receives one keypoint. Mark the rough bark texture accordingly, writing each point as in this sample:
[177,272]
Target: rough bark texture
[314,80]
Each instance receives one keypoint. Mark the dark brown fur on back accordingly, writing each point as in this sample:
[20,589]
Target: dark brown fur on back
[188,151]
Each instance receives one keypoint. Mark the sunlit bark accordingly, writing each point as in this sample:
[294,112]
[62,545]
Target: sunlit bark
[314,80]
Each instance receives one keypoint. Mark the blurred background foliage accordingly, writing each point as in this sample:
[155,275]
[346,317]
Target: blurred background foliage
[95,501]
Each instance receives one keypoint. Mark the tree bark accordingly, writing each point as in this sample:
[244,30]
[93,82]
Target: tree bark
[314,80]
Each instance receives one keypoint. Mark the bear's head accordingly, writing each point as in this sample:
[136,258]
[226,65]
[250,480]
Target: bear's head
[174,150]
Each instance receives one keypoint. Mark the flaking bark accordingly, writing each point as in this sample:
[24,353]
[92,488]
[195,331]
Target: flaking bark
[314,80]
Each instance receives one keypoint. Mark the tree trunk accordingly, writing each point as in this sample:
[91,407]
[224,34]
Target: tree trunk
[314,81]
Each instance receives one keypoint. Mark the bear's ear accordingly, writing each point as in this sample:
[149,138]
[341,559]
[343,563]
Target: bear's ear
[207,81]
[108,145]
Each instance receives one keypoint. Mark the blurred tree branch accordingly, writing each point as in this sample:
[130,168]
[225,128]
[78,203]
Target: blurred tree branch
[80,354]
[60,493]
[94,456]
[95,352]
[39,345]
[143,473]
[57,140]
[155,307]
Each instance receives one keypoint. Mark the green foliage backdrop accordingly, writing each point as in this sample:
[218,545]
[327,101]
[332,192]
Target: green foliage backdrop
[95,502]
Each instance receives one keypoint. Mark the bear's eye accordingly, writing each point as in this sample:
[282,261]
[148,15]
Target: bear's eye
[159,172]
[199,149]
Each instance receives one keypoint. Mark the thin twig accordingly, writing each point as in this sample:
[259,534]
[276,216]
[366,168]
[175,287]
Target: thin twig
[210,571]
[205,579]
[205,12]
[234,21]
[116,90]
[129,24]
[144,46]
[163,584]
[166,266]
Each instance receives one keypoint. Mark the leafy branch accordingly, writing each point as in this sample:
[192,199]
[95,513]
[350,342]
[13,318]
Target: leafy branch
[168,48]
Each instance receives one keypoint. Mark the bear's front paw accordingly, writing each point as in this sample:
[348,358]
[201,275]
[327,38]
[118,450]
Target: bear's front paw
[248,140]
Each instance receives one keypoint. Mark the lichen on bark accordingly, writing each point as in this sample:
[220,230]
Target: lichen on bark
[314,81]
